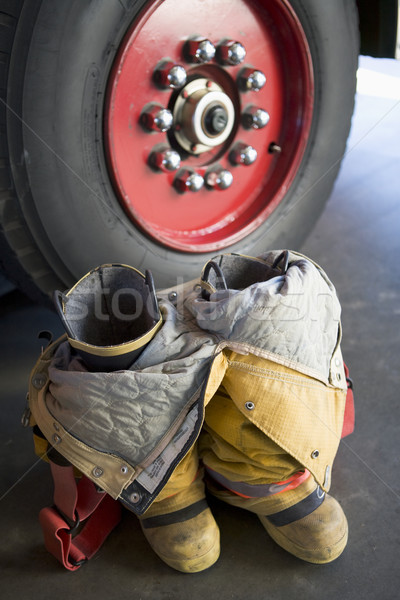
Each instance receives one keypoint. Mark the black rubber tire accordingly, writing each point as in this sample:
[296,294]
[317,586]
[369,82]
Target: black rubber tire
[59,214]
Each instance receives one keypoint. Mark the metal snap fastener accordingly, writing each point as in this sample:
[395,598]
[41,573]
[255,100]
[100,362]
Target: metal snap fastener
[97,472]
[56,439]
[338,376]
[315,454]
[56,427]
[124,469]
[250,405]
[38,381]
[172,296]
[135,497]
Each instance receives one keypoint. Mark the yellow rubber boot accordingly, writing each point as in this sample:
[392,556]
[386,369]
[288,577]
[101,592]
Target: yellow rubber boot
[180,527]
[319,537]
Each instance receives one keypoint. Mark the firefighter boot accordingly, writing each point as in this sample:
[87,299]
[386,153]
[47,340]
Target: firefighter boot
[318,537]
[179,525]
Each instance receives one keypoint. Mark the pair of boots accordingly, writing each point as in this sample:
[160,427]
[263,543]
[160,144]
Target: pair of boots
[302,519]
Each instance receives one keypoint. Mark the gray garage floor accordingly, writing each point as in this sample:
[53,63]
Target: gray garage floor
[357,241]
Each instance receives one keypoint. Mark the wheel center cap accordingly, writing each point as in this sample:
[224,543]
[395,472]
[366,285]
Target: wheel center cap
[204,116]
[215,119]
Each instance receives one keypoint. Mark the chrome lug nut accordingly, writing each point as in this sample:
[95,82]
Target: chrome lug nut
[242,154]
[255,118]
[156,118]
[176,77]
[188,180]
[230,52]
[198,50]
[169,74]
[165,159]
[218,179]
[251,80]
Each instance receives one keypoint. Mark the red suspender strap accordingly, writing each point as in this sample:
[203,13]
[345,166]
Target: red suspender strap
[348,421]
[71,543]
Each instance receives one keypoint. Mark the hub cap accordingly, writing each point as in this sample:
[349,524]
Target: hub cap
[204,116]
[227,110]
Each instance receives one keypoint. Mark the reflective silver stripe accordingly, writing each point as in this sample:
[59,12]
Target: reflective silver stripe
[249,490]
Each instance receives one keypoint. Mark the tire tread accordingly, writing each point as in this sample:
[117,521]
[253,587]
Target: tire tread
[20,258]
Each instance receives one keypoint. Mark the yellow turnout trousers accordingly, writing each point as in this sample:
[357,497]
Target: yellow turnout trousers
[245,466]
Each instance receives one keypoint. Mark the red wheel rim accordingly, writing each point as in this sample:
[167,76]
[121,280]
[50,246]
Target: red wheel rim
[209,219]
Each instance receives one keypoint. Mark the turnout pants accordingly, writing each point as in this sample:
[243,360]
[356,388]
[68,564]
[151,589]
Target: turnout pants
[244,466]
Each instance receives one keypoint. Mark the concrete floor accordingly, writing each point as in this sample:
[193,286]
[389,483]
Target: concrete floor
[357,241]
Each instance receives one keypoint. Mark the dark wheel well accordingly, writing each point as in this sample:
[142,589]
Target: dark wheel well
[378,27]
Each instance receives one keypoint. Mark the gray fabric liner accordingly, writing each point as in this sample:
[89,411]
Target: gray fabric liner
[110,306]
[241,271]
[295,316]
[128,413]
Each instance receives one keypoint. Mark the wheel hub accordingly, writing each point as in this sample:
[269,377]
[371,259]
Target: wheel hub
[204,116]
